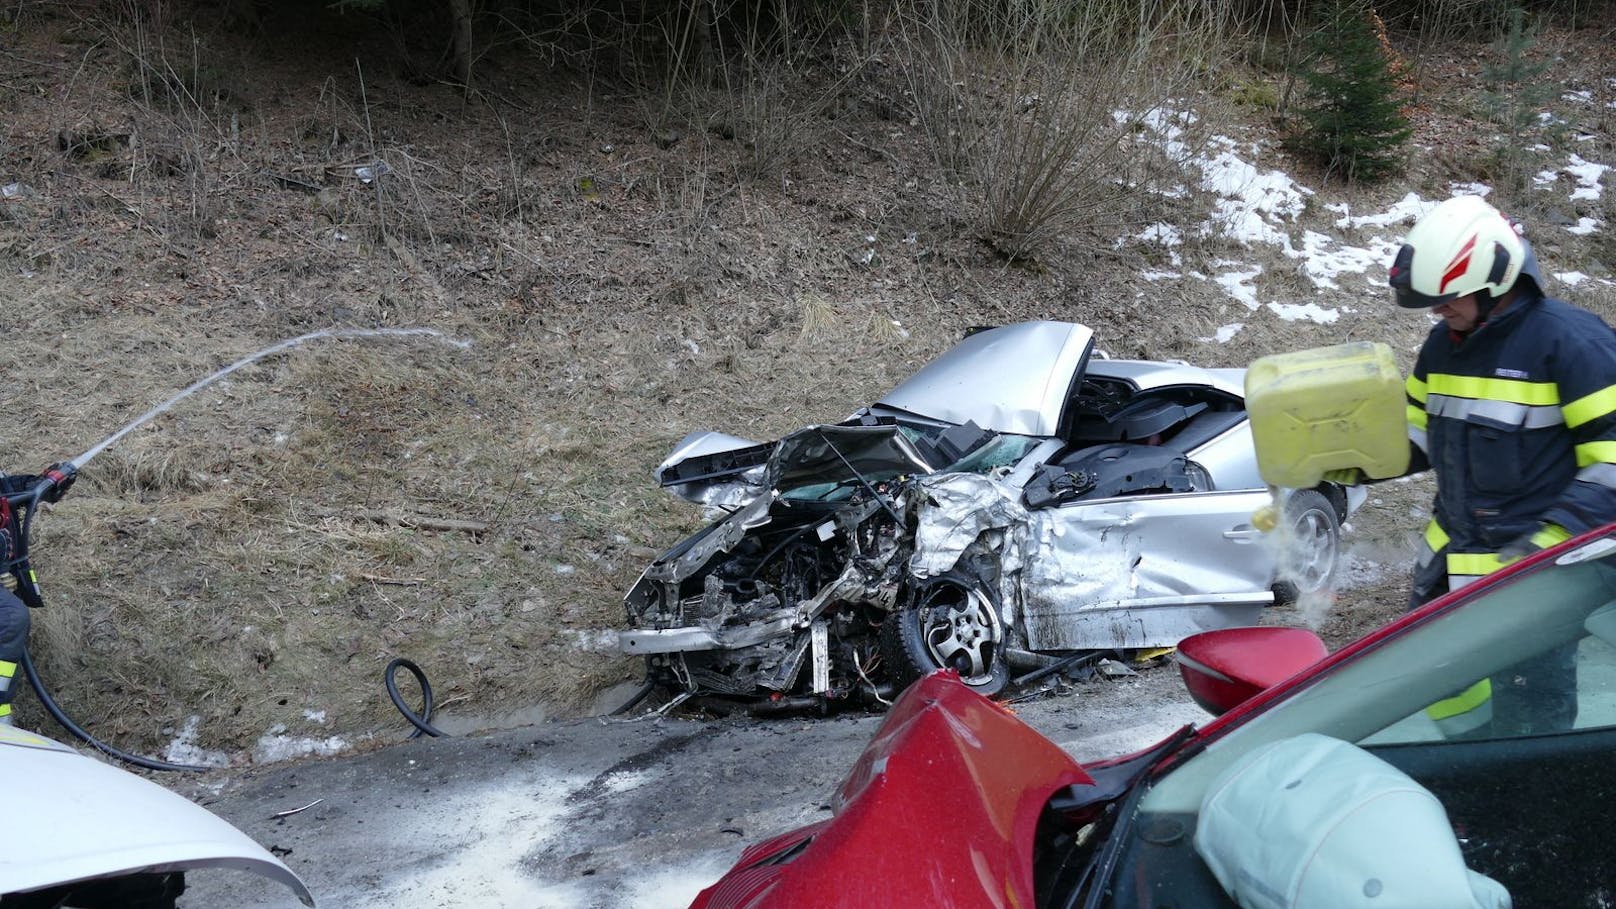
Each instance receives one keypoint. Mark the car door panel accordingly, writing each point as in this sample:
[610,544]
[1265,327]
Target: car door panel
[1144,571]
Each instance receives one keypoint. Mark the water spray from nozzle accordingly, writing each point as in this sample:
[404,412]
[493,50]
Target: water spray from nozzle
[71,468]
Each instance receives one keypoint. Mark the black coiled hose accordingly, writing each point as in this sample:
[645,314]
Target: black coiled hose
[421,721]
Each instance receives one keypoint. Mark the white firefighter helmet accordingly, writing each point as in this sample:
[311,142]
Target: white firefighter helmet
[1463,246]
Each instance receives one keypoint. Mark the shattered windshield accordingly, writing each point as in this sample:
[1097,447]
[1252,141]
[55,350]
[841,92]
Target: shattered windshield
[1002,451]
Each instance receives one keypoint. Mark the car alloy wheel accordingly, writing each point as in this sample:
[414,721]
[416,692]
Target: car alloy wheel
[951,624]
[1310,547]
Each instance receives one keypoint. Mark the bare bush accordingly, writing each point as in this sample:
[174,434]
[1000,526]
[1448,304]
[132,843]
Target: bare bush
[1035,108]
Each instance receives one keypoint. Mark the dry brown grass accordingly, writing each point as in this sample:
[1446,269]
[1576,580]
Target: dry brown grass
[227,560]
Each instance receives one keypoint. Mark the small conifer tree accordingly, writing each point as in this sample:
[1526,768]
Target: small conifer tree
[1516,92]
[1352,111]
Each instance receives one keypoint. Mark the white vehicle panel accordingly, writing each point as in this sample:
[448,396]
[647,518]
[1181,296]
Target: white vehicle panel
[77,819]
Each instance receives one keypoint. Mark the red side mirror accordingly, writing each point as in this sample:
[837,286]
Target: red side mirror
[1224,668]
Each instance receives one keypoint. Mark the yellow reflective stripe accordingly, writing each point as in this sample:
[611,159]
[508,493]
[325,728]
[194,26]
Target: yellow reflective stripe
[1489,389]
[1590,407]
[5,710]
[1415,388]
[1595,453]
[7,669]
[1551,535]
[1435,536]
[1475,564]
[1463,702]
[1417,417]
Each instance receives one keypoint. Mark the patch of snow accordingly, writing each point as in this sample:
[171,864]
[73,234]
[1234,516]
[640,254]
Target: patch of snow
[1225,333]
[275,745]
[1587,175]
[1584,226]
[1297,312]
[1324,258]
[1159,275]
[1405,210]
[1582,97]
[184,750]
[1165,234]
[314,716]
[1473,189]
[1238,284]
[1570,278]
[1253,201]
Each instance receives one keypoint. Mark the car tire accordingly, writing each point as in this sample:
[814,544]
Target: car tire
[949,623]
[1310,547]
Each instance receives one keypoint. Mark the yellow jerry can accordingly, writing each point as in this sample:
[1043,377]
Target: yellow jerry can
[1325,409]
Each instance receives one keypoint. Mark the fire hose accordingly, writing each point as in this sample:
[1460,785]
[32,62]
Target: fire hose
[58,477]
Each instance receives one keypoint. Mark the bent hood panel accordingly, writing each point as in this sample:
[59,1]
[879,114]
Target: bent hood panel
[949,775]
[97,821]
[1011,379]
[835,454]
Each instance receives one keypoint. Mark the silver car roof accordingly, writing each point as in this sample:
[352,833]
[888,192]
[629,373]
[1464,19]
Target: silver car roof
[1015,378]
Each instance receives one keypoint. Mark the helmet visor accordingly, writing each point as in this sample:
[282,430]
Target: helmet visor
[1401,280]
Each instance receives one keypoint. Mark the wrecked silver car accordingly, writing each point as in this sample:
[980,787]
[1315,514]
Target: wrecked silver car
[1020,504]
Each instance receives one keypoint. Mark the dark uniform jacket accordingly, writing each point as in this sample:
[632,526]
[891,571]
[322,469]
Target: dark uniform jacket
[1518,418]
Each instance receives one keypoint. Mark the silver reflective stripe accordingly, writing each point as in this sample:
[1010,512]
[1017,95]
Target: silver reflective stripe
[1455,581]
[5,683]
[1418,437]
[1599,474]
[1503,413]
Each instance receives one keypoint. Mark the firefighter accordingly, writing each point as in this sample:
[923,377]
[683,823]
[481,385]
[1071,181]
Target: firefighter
[49,486]
[1512,402]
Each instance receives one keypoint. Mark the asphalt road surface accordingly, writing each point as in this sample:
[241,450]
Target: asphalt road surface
[586,814]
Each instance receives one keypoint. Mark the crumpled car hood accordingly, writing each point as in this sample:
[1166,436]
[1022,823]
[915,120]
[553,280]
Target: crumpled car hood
[727,472]
[1033,367]
[77,819]
[933,781]
[836,454]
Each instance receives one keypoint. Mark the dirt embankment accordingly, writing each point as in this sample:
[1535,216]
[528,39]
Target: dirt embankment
[180,196]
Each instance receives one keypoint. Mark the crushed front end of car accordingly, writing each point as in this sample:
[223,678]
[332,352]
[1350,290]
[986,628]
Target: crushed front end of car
[783,596]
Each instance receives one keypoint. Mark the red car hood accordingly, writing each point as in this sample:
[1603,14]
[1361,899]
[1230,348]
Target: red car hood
[949,775]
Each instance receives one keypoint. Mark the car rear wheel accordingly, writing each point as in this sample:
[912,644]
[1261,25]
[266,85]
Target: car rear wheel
[1310,547]
[949,625]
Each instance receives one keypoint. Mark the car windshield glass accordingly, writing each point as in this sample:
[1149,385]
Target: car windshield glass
[1381,696]
[1001,451]
[1502,706]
